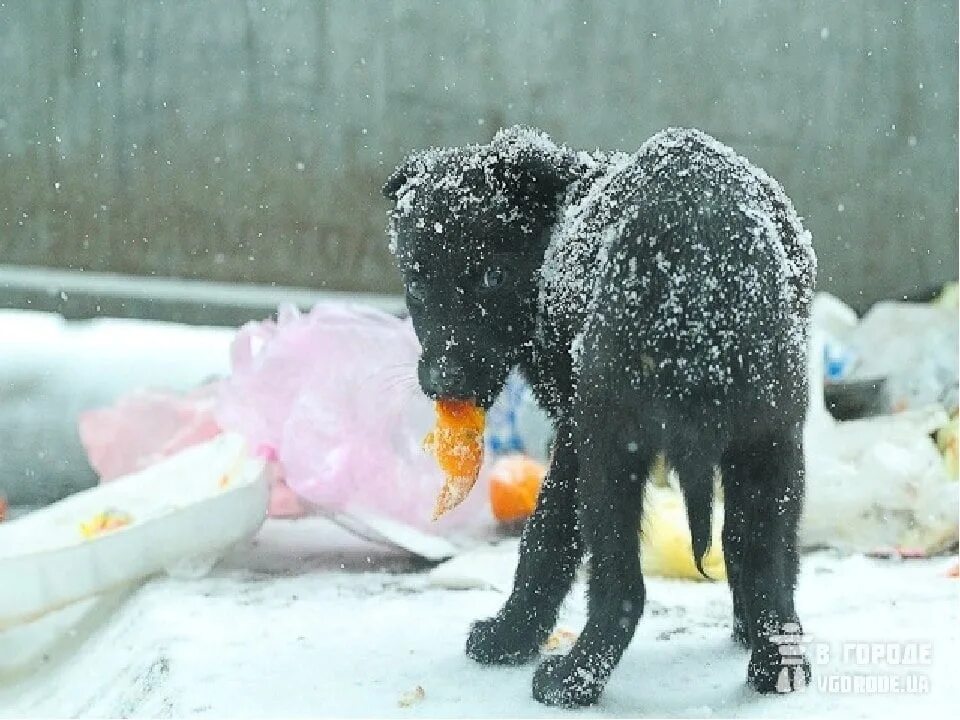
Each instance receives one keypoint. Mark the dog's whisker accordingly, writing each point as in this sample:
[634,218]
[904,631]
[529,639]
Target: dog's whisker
[409,365]
[398,386]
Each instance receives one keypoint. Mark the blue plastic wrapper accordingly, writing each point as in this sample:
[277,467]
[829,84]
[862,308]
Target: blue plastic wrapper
[516,424]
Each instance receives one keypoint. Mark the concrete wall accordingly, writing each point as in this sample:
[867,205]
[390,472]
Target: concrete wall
[232,140]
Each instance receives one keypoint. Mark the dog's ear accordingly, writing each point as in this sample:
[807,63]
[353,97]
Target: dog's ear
[397,179]
[411,167]
[535,165]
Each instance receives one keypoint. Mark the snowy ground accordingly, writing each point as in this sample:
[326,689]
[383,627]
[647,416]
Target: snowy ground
[308,621]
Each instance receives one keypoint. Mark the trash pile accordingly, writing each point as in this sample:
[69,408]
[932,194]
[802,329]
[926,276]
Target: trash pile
[881,436]
[329,399]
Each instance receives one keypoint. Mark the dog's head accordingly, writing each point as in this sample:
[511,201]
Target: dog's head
[469,232]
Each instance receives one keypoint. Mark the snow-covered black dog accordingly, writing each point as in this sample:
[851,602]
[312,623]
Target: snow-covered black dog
[657,302]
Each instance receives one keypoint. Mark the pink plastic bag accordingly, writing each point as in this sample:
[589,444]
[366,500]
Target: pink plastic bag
[146,426]
[333,396]
[329,398]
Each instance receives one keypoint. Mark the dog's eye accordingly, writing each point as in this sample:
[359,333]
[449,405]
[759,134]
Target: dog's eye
[416,290]
[494,278]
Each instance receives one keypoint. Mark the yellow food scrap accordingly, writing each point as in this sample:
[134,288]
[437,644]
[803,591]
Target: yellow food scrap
[560,641]
[947,444]
[104,522]
[412,698]
[665,546]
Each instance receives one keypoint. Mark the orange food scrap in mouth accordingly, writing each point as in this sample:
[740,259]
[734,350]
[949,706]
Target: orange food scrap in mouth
[456,442]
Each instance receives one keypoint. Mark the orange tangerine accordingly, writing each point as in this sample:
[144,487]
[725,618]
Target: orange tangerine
[515,482]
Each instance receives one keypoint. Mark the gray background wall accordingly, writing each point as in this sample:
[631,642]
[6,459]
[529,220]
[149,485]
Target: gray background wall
[246,141]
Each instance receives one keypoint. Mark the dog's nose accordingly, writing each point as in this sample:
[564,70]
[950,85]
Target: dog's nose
[449,374]
[446,379]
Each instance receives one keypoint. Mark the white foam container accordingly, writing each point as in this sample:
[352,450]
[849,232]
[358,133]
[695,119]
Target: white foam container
[181,510]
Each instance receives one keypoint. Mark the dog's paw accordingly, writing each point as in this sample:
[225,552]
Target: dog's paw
[770,672]
[562,683]
[497,642]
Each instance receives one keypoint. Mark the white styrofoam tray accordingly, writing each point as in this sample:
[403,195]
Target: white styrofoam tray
[195,504]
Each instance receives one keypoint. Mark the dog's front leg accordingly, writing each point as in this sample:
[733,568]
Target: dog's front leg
[609,495]
[550,552]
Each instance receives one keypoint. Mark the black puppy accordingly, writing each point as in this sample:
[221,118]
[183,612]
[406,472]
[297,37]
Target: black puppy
[657,301]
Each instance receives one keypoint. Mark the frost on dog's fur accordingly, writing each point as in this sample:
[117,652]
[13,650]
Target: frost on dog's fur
[700,333]
[457,174]
[658,302]
[710,298]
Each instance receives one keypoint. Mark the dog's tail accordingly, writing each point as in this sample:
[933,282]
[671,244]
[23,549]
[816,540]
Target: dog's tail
[698,498]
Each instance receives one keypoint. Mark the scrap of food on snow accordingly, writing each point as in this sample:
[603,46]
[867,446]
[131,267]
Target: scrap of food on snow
[104,522]
[456,441]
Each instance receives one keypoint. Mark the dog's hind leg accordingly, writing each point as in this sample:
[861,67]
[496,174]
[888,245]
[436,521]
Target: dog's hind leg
[769,475]
[734,540]
[609,493]
[550,552]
